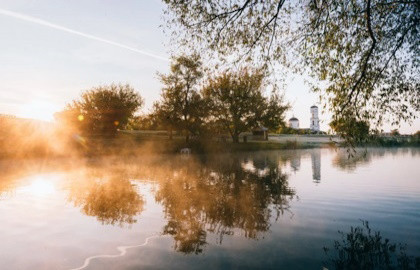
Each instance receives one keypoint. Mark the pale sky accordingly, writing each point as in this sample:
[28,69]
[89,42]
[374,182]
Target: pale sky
[52,50]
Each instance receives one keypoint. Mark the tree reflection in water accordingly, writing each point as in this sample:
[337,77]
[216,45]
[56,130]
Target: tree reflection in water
[110,197]
[222,196]
[364,156]
[364,249]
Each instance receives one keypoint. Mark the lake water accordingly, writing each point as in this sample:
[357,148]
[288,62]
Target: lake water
[264,210]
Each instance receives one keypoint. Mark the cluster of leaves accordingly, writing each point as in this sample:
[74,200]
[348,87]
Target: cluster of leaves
[181,106]
[232,102]
[363,248]
[101,110]
[366,52]
[237,103]
[355,131]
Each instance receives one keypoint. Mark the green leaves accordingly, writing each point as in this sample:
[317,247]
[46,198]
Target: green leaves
[102,110]
[367,52]
[181,106]
[237,103]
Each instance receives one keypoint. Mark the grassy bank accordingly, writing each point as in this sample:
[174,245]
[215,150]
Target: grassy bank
[143,144]
[140,145]
[396,141]
[125,144]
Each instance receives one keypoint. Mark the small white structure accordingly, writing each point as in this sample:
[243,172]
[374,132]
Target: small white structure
[294,123]
[314,119]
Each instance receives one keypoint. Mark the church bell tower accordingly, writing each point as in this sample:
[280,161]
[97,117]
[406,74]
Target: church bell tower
[314,118]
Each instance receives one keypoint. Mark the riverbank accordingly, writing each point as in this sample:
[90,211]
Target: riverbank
[131,144]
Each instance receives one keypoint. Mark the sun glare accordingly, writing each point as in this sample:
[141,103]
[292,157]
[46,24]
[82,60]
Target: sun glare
[39,186]
[39,109]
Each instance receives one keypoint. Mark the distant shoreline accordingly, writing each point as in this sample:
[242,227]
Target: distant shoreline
[132,143]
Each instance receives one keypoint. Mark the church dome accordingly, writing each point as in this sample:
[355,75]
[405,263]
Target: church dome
[293,119]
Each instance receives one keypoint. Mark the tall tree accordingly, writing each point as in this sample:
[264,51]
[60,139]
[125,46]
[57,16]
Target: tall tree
[181,106]
[237,102]
[102,110]
[366,51]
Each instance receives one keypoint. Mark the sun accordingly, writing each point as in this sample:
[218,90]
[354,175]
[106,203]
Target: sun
[39,109]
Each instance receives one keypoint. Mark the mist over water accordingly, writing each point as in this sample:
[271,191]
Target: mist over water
[267,209]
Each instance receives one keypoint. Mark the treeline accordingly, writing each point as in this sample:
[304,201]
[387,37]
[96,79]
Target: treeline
[192,103]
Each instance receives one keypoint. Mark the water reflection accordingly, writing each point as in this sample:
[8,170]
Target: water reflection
[222,196]
[295,161]
[364,156]
[364,248]
[201,197]
[316,165]
[108,195]
[343,161]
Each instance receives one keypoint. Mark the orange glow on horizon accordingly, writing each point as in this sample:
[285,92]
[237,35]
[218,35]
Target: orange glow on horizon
[39,110]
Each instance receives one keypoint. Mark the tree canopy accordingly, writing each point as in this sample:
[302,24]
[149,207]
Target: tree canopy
[101,110]
[181,106]
[366,52]
[237,102]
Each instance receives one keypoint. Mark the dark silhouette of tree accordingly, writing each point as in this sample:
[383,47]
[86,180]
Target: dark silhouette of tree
[395,132]
[365,249]
[101,110]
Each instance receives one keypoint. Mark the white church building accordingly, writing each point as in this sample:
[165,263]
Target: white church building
[314,126]
[294,123]
[314,120]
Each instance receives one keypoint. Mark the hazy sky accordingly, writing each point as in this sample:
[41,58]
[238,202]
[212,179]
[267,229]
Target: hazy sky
[51,50]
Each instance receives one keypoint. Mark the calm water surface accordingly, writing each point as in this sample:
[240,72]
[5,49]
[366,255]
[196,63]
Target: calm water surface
[269,210]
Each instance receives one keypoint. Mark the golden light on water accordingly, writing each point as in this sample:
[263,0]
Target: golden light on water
[39,186]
